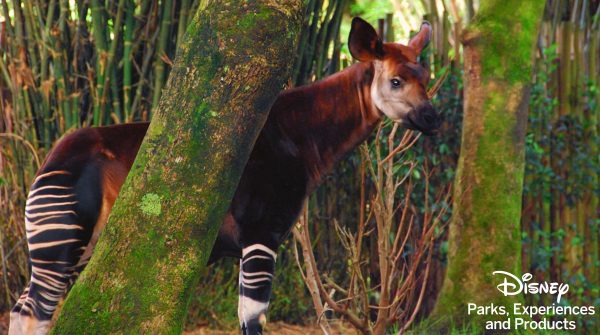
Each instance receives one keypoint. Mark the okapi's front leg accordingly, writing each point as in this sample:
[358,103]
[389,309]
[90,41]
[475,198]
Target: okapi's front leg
[256,275]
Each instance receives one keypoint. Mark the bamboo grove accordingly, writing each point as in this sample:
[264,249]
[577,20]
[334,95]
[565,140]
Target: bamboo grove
[70,64]
[560,219]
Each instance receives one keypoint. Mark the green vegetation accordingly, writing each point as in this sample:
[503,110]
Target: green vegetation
[66,65]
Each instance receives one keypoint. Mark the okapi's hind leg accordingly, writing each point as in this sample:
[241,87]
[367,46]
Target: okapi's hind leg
[257,267]
[57,237]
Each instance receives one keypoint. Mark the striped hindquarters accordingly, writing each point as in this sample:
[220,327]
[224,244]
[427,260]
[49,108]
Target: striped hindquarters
[56,237]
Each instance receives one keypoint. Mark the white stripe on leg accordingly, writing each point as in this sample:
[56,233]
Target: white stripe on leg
[255,277]
[260,247]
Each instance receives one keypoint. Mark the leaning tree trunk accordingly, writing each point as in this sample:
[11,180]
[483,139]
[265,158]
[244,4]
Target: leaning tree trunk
[484,230]
[228,71]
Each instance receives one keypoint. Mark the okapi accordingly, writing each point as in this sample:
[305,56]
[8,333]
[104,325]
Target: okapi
[309,129]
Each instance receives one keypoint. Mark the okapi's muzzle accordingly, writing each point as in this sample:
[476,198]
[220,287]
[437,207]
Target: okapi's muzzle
[424,118]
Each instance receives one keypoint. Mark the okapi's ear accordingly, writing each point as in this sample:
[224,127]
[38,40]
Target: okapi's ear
[421,39]
[364,44]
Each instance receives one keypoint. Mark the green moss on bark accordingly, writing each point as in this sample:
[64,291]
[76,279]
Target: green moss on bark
[163,225]
[504,25]
[484,230]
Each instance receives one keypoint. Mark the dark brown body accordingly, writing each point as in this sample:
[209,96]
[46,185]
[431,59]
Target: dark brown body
[308,130]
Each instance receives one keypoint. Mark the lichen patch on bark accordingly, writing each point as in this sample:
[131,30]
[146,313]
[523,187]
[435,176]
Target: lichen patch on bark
[150,204]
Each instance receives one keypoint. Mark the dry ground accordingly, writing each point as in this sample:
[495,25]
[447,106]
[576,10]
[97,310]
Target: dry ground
[274,328]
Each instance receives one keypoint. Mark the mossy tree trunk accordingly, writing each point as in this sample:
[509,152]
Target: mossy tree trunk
[484,230]
[228,70]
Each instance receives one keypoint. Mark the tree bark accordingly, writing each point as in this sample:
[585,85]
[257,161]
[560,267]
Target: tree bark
[484,230]
[233,61]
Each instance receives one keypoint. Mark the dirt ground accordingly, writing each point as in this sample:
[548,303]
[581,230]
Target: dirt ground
[274,328]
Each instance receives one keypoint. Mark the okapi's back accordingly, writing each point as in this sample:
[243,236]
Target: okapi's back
[119,143]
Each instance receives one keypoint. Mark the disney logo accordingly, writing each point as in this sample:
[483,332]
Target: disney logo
[513,285]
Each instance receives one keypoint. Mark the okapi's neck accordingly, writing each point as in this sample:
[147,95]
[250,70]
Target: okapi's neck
[329,118]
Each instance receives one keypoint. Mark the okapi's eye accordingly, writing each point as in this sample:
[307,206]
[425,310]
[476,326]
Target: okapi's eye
[396,83]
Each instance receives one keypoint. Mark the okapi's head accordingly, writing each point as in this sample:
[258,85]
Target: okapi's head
[399,86]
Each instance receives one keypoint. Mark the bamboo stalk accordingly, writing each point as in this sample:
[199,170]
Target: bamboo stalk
[307,64]
[7,19]
[159,64]
[127,58]
[337,44]
[322,43]
[99,33]
[19,26]
[300,52]
[46,45]
[110,73]
[145,68]
[565,73]
[32,36]
[183,19]
[62,93]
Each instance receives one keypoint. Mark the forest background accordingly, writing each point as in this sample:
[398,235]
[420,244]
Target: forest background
[68,64]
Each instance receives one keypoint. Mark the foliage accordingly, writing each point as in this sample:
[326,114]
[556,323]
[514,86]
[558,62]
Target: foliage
[290,300]
[371,10]
[562,167]
[561,150]
[218,290]
[318,52]
[401,242]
